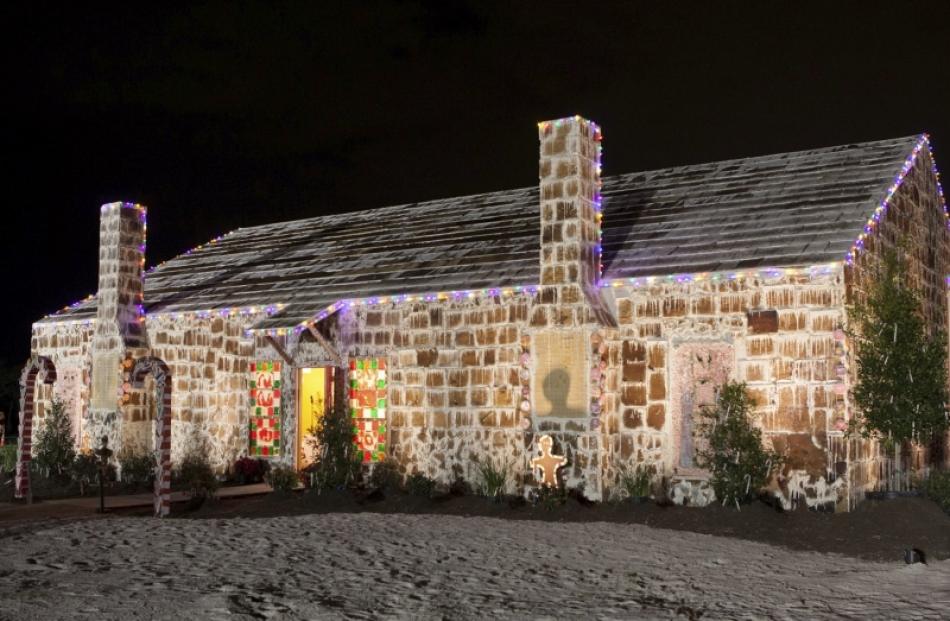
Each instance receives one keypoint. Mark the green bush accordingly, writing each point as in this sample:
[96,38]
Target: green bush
[937,488]
[85,470]
[338,463]
[494,479]
[739,464]
[8,458]
[195,473]
[386,476]
[282,478]
[636,482]
[548,497]
[419,484]
[138,469]
[460,487]
[54,452]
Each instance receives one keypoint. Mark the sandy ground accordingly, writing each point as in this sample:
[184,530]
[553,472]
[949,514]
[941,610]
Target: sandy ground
[427,566]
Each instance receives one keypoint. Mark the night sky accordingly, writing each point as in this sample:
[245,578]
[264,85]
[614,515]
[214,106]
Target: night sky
[234,114]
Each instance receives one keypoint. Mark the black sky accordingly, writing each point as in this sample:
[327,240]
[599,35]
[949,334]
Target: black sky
[230,114]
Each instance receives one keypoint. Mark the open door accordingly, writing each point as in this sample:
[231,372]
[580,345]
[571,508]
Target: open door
[315,397]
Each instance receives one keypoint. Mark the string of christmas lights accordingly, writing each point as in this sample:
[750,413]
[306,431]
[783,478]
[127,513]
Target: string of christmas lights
[464,294]
[598,198]
[936,173]
[881,210]
[762,273]
[190,251]
[245,311]
[234,311]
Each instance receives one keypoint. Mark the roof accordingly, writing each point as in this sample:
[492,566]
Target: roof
[790,209]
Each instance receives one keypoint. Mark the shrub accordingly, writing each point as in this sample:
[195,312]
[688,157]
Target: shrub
[85,470]
[494,480]
[338,463]
[548,497]
[460,487]
[636,482]
[386,475]
[8,458]
[282,478]
[137,468]
[739,464]
[54,452]
[937,488]
[195,473]
[419,484]
[248,470]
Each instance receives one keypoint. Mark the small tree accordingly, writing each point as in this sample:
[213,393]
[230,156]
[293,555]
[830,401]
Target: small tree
[901,393]
[338,462]
[739,464]
[195,472]
[54,442]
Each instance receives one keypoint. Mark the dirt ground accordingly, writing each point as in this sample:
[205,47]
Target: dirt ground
[371,565]
[878,530]
[359,556]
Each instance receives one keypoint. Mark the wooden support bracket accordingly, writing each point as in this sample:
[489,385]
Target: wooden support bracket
[280,350]
[326,345]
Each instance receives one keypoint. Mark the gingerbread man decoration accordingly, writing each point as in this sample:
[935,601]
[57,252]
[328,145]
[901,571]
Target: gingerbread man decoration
[548,463]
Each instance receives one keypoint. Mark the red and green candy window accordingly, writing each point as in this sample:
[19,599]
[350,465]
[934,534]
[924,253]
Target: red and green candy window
[368,407]
[264,432]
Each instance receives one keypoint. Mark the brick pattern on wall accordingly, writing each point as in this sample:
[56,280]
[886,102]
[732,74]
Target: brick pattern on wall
[790,373]
[67,345]
[454,381]
[207,358]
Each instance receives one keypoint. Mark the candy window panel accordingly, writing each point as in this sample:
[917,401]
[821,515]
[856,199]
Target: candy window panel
[367,396]
[265,402]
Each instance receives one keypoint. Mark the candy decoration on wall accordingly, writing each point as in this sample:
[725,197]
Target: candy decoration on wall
[524,384]
[265,393]
[840,387]
[368,407]
[598,379]
[125,373]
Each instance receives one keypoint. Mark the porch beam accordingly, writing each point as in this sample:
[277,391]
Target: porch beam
[280,350]
[326,345]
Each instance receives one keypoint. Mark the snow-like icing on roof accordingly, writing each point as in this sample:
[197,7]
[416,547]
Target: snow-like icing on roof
[789,209]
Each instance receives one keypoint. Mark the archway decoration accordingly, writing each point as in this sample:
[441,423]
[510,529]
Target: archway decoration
[163,427]
[36,367]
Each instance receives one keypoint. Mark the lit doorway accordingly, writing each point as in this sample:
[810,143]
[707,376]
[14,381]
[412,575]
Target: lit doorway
[315,397]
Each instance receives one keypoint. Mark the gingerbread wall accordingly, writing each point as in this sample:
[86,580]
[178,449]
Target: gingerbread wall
[915,221]
[674,336]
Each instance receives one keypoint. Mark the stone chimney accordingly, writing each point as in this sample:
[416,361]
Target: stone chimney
[570,225]
[121,280]
[119,300]
[570,309]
